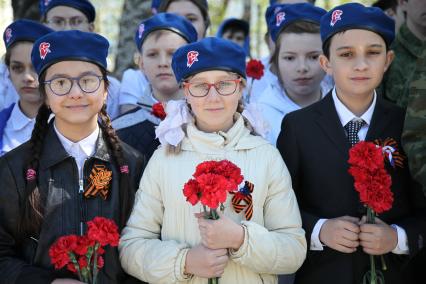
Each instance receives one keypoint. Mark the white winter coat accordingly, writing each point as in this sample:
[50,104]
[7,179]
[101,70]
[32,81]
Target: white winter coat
[162,227]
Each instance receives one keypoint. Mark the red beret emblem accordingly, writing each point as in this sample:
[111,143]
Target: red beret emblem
[191,56]
[335,16]
[280,17]
[44,49]
[8,34]
[141,30]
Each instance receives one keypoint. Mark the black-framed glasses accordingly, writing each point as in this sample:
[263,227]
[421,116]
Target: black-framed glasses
[61,86]
[223,87]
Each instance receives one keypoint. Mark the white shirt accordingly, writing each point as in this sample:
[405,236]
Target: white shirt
[8,94]
[133,85]
[80,150]
[345,115]
[268,79]
[18,129]
[275,104]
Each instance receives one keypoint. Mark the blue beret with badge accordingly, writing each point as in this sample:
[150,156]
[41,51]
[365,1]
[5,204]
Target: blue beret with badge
[280,16]
[357,16]
[24,30]
[55,47]
[211,53]
[165,21]
[82,5]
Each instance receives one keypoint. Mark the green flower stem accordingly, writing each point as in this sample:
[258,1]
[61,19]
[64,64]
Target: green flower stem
[76,266]
[95,263]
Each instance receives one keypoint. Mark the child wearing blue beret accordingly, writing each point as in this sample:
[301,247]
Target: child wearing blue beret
[17,120]
[167,240]
[315,143]
[73,169]
[195,11]
[156,38]
[79,15]
[68,14]
[295,30]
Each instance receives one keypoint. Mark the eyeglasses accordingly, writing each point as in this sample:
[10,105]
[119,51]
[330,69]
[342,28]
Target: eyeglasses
[74,22]
[223,88]
[88,83]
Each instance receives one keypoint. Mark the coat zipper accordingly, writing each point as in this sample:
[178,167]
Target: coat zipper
[82,203]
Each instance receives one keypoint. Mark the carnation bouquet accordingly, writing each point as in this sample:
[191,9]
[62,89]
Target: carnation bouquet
[212,181]
[373,183]
[82,255]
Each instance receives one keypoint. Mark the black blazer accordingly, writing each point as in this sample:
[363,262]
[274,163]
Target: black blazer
[314,146]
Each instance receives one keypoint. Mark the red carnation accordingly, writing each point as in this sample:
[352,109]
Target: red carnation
[59,251]
[214,189]
[71,267]
[158,111]
[192,191]
[83,244]
[103,231]
[366,155]
[100,262]
[82,262]
[254,69]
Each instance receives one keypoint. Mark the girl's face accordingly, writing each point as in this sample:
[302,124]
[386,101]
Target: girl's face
[155,62]
[76,107]
[22,73]
[214,112]
[191,12]
[298,64]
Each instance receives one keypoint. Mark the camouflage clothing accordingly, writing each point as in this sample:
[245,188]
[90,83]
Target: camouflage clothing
[414,133]
[408,49]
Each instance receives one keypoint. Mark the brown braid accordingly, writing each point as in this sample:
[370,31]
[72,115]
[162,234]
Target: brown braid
[114,144]
[32,210]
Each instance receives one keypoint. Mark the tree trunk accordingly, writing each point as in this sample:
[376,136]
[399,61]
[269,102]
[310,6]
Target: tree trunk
[134,11]
[26,9]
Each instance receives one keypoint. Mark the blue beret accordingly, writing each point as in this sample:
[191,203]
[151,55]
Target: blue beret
[56,47]
[24,30]
[211,53]
[280,16]
[82,5]
[165,21]
[357,16]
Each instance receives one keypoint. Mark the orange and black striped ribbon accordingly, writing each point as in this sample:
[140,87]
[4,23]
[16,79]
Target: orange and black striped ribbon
[99,181]
[398,158]
[245,196]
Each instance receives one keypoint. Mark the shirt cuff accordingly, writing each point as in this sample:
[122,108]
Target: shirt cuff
[402,244]
[315,241]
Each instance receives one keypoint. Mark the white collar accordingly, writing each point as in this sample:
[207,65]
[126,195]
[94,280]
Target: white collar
[87,145]
[345,115]
[19,119]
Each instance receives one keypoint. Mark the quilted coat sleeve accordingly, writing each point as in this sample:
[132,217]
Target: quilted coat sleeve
[142,253]
[278,247]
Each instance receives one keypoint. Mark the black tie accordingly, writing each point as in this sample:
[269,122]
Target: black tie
[352,128]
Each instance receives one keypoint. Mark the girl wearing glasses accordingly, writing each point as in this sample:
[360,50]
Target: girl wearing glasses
[167,240]
[73,168]
[17,120]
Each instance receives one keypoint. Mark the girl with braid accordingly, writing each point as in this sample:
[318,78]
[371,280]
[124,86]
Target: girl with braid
[73,168]
[166,240]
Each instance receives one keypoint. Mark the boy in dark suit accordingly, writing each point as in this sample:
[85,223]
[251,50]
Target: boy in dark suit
[315,142]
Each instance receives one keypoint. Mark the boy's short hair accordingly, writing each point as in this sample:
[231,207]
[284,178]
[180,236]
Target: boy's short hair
[326,45]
